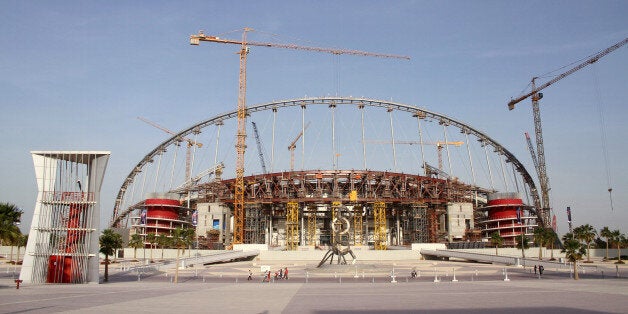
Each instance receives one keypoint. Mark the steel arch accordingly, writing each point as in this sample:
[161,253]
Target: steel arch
[360,102]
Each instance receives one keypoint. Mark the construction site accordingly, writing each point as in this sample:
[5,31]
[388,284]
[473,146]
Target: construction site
[372,173]
[311,173]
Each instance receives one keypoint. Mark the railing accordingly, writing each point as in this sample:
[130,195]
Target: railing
[54,196]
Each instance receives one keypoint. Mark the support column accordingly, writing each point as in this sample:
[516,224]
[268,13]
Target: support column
[311,226]
[379,218]
[292,226]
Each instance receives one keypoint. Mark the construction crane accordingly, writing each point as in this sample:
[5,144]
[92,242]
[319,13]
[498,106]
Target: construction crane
[439,146]
[535,96]
[532,153]
[260,150]
[238,203]
[190,144]
[293,145]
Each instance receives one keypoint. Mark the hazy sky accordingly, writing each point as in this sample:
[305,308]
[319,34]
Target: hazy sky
[74,75]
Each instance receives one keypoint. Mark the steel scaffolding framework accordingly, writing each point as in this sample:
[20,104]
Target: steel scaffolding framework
[292,226]
[379,232]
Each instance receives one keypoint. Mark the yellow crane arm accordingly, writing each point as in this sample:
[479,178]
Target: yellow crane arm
[513,102]
[196,39]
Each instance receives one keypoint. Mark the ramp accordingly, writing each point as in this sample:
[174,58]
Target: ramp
[496,259]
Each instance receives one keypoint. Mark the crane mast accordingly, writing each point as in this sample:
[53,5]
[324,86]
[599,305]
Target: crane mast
[535,95]
[293,145]
[260,151]
[238,203]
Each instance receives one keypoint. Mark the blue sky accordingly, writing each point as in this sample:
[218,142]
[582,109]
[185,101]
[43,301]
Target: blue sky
[74,75]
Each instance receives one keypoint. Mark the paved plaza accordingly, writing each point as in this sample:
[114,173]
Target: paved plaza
[362,288]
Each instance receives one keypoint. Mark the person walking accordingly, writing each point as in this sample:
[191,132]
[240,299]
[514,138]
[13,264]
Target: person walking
[535,269]
[285,274]
[541,268]
[250,275]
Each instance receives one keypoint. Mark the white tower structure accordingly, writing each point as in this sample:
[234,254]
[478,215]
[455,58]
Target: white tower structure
[63,241]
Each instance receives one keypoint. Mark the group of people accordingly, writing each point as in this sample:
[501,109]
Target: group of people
[540,268]
[282,273]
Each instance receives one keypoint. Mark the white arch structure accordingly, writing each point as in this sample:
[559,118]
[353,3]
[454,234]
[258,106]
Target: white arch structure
[332,102]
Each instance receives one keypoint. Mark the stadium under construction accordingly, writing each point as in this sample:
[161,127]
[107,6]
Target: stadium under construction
[405,203]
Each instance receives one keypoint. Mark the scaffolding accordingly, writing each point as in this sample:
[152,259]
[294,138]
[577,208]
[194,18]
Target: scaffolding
[292,226]
[379,232]
[420,233]
[357,225]
[311,225]
[253,225]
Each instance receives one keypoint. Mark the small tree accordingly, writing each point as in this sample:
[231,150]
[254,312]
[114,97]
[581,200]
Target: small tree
[585,233]
[181,239]
[552,237]
[574,250]
[523,244]
[541,238]
[10,216]
[618,239]
[22,240]
[496,240]
[136,242]
[607,234]
[109,243]
[163,241]
[151,238]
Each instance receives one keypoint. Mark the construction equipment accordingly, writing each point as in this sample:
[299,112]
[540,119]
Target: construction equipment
[532,153]
[439,146]
[544,212]
[238,204]
[190,144]
[260,148]
[293,145]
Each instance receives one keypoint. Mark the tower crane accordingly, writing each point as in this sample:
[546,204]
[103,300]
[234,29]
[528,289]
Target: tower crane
[188,153]
[293,145]
[238,204]
[532,153]
[439,146]
[260,150]
[535,95]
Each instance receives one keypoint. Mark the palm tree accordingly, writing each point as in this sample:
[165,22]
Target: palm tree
[551,239]
[10,216]
[618,239]
[181,238]
[496,240]
[574,250]
[541,238]
[109,243]
[523,244]
[163,241]
[136,242]
[587,234]
[151,238]
[21,242]
[607,234]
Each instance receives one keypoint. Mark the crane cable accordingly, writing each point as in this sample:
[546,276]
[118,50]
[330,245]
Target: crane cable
[600,105]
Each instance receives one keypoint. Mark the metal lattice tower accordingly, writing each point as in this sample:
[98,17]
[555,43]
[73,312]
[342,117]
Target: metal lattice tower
[292,226]
[357,225]
[419,221]
[311,226]
[379,218]
[253,230]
